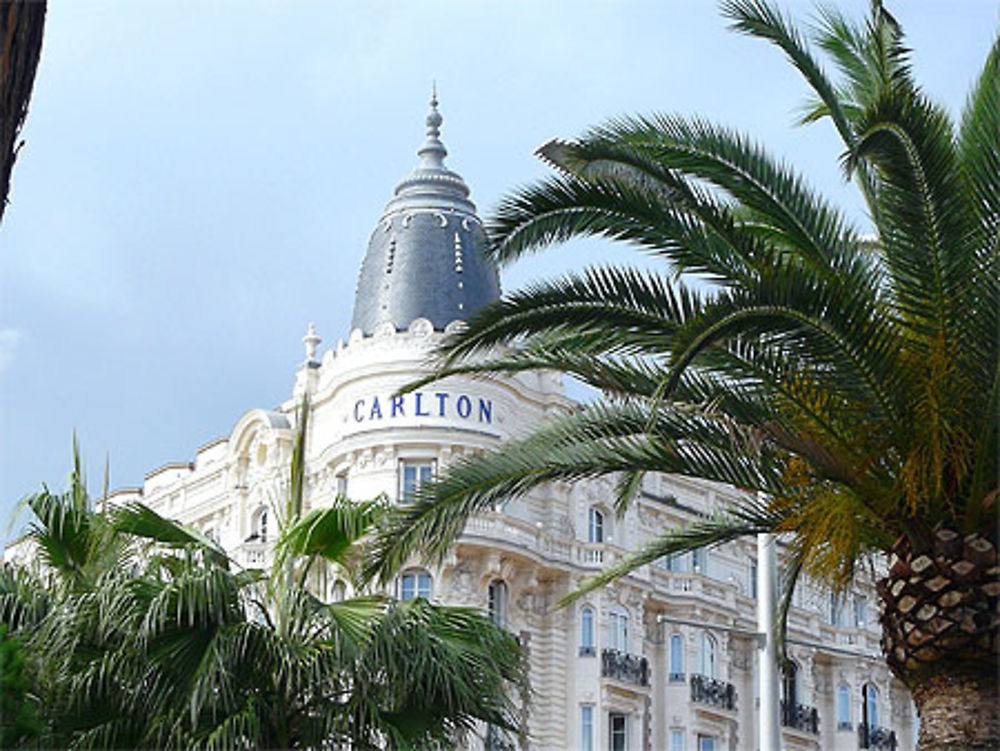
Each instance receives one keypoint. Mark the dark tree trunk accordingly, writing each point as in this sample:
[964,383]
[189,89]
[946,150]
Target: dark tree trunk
[940,623]
[21,26]
[958,712]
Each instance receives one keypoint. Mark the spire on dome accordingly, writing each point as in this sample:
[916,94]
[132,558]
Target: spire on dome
[426,257]
[433,152]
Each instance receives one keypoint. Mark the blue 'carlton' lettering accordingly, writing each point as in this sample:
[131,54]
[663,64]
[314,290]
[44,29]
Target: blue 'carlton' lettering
[460,405]
[419,404]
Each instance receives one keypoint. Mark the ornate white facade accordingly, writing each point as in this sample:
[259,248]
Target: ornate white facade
[662,660]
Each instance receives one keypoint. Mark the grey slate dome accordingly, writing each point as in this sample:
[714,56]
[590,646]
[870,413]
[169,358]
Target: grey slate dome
[425,258]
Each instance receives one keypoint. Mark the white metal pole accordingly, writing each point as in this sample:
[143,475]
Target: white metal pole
[767,649]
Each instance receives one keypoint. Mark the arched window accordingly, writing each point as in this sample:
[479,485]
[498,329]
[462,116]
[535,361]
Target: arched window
[618,630]
[414,584]
[260,525]
[869,705]
[790,684]
[595,525]
[706,658]
[676,657]
[587,646]
[497,602]
[843,707]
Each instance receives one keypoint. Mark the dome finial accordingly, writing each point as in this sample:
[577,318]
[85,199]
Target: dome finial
[433,152]
[311,341]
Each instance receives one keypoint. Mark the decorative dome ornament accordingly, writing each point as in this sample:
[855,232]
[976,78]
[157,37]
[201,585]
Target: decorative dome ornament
[433,266]
[433,152]
[311,341]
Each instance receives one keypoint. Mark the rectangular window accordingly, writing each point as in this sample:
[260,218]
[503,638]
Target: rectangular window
[586,728]
[753,580]
[619,732]
[674,562]
[676,658]
[618,631]
[595,531]
[860,611]
[416,584]
[412,476]
[843,707]
[587,646]
[835,607]
[706,743]
[676,740]
[699,561]
[342,483]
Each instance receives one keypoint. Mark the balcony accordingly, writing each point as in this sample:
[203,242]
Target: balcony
[705,690]
[625,667]
[874,737]
[254,555]
[800,717]
[591,553]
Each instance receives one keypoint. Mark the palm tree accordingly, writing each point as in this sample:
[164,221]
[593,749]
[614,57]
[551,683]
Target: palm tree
[22,23]
[850,377]
[142,633]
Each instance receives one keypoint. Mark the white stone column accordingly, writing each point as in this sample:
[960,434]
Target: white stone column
[767,649]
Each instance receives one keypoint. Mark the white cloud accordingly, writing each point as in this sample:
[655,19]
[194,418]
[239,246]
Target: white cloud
[9,340]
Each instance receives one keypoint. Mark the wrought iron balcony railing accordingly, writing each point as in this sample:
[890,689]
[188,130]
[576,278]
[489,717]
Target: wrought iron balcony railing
[800,717]
[874,737]
[705,690]
[625,667]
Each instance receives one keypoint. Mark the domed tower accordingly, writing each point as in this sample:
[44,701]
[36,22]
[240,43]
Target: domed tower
[425,258]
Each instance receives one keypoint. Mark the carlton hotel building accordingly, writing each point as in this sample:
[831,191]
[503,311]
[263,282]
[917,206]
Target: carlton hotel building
[664,660]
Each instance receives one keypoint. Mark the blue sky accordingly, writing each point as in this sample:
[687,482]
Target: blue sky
[199,180]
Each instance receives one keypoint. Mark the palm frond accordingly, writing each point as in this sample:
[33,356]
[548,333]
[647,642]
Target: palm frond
[328,532]
[600,439]
[749,518]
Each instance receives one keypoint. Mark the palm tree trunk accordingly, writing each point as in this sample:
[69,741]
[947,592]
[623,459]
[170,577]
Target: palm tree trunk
[941,635]
[958,712]
[21,26]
